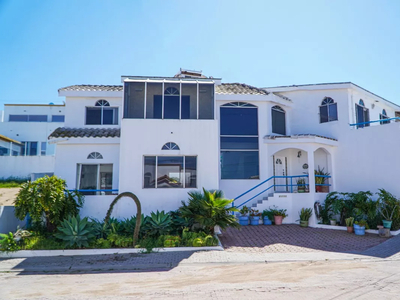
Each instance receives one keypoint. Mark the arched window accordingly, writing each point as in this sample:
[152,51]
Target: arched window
[239,141]
[102,103]
[171,91]
[101,114]
[362,114]
[328,110]
[383,116]
[278,120]
[95,155]
[170,146]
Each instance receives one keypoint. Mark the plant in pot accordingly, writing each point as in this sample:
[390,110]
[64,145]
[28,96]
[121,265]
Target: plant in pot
[244,218]
[321,179]
[349,223]
[267,216]
[301,185]
[333,222]
[254,217]
[279,215]
[387,206]
[359,227]
[305,215]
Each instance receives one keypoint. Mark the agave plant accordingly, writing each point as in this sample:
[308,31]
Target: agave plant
[75,231]
[159,223]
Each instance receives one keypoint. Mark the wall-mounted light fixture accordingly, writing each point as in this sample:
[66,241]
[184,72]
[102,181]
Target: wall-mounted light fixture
[299,154]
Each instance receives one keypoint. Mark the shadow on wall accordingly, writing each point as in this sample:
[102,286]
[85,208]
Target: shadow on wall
[8,221]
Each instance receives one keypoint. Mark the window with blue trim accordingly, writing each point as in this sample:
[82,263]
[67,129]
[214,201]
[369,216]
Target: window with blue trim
[383,116]
[328,110]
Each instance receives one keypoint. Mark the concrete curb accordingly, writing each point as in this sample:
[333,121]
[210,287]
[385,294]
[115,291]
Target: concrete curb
[322,226]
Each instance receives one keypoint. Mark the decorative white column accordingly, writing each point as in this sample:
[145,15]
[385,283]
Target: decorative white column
[311,168]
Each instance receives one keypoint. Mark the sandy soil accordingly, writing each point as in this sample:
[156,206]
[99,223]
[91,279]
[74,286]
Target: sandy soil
[305,280]
[7,196]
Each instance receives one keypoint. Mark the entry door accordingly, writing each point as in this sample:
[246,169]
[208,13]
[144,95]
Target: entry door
[280,170]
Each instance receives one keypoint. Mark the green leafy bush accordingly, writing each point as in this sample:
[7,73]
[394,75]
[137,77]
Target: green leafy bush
[8,243]
[75,231]
[305,214]
[209,209]
[47,197]
[171,241]
[198,239]
[120,241]
[42,243]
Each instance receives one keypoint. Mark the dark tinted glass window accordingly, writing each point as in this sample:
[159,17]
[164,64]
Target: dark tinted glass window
[18,118]
[323,113]
[239,165]
[37,118]
[149,171]
[108,116]
[33,149]
[332,112]
[239,143]
[93,115]
[169,171]
[171,107]
[278,122]
[239,121]
[185,110]
[328,112]
[157,107]
[56,118]
[190,171]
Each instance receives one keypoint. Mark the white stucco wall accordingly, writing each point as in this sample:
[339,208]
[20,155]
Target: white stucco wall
[23,166]
[75,110]
[141,138]
[76,150]
[8,221]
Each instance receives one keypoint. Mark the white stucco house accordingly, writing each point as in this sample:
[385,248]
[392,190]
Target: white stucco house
[160,137]
[25,150]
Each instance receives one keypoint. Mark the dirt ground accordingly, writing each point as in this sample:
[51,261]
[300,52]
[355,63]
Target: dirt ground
[301,280]
[7,196]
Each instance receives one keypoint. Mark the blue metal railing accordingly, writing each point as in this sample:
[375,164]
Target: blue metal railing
[383,121]
[291,185]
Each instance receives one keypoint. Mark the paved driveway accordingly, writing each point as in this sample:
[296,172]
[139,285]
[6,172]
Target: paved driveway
[293,238]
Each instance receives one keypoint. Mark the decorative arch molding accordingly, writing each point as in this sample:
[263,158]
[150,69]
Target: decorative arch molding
[95,155]
[238,104]
[170,146]
[102,102]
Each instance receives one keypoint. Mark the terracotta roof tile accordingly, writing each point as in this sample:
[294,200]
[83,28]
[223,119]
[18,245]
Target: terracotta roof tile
[65,132]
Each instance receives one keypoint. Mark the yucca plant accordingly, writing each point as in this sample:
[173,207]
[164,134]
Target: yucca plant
[305,214]
[75,231]
[349,221]
[159,223]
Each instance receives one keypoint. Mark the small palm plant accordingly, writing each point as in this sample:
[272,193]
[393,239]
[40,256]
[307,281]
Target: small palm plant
[75,231]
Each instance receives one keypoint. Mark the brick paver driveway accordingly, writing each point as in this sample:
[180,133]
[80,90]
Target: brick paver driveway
[293,238]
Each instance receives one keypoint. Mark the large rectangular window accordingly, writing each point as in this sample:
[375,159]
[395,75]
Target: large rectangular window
[239,141]
[58,118]
[101,115]
[43,147]
[93,177]
[29,148]
[170,172]
[27,118]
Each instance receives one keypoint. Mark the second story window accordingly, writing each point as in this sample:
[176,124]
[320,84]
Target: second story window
[362,115]
[383,116]
[328,110]
[27,118]
[58,118]
[102,114]
[278,120]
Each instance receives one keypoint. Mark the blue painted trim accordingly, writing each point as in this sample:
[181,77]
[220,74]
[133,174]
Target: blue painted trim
[376,121]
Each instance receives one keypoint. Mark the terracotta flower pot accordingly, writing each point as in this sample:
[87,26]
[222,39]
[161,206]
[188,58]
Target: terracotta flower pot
[350,229]
[278,220]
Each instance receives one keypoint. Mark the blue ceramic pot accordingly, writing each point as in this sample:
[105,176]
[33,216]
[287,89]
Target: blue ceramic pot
[387,224]
[359,230]
[244,220]
[255,221]
[267,221]
[356,226]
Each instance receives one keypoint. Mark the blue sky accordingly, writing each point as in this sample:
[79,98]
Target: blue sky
[46,44]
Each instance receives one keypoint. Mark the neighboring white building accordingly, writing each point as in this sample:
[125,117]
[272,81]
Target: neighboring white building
[28,126]
[160,137]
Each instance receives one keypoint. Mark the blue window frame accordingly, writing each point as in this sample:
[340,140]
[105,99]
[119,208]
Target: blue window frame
[239,141]
[328,110]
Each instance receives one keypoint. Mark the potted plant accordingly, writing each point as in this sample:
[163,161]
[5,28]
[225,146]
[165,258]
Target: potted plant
[301,185]
[359,227]
[349,223]
[254,217]
[333,222]
[244,218]
[279,215]
[387,205]
[305,215]
[321,180]
[267,216]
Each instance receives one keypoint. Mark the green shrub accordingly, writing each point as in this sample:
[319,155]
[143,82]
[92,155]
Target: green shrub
[198,239]
[8,243]
[75,231]
[171,241]
[305,214]
[159,223]
[12,182]
[179,222]
[209,209]
[120,241]
[47,197]
[42,243]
